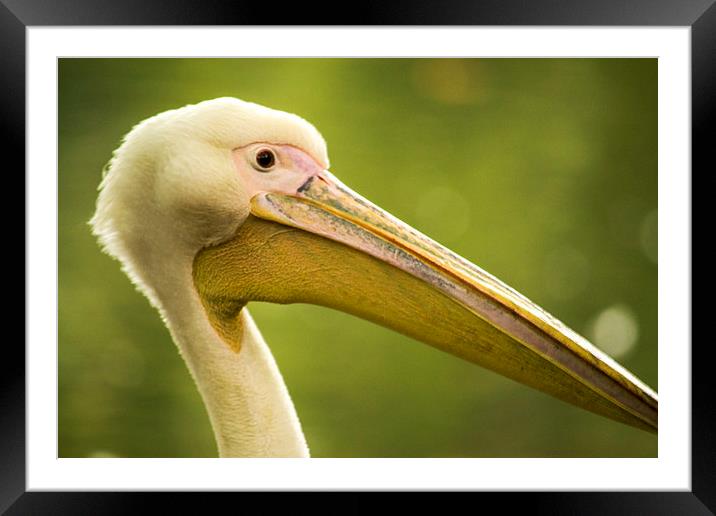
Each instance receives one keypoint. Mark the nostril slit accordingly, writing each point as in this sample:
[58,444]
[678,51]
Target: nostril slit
[305,185]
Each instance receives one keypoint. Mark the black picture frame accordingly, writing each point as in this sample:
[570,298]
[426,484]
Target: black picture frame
[700,15]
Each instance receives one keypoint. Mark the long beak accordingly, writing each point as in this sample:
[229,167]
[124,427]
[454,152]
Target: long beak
[349,254]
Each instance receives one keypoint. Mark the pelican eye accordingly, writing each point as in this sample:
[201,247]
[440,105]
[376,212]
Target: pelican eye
[265,159]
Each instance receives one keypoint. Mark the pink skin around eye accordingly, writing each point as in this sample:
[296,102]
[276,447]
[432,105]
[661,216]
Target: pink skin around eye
[293,169]
[301,160]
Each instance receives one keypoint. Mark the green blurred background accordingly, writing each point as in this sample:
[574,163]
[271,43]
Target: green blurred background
[541,171]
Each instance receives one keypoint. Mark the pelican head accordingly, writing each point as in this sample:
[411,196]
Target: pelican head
[214,205]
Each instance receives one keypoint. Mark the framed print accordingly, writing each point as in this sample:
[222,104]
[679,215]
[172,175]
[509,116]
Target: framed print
[555,154]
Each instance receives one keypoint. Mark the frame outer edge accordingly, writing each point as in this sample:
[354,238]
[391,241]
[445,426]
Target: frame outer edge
[397,12]
[12,380]
[703,123]
[12,389]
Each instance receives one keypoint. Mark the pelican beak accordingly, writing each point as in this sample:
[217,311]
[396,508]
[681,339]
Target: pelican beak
[324,244]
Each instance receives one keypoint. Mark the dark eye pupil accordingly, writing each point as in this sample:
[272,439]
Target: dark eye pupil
[265,159]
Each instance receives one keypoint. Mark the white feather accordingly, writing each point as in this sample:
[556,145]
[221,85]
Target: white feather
[169,190]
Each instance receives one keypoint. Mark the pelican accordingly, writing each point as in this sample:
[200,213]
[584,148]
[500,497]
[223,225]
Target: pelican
[213,205]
